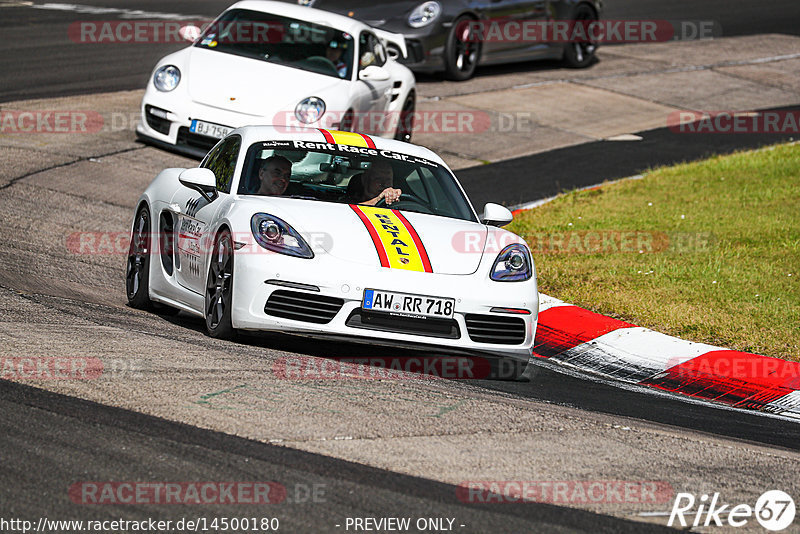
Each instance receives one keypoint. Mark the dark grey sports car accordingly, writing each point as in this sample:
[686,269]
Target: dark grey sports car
[454,36]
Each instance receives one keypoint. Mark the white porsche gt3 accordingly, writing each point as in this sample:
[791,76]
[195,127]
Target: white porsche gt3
[263,62]
[323,259]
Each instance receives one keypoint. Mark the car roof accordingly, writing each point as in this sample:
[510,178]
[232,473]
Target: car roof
[295,11]
[255,134]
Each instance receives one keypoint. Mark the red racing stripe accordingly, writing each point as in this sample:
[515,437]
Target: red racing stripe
[369,141]
[328,137]
[562,328]
[376,240]
[423,254]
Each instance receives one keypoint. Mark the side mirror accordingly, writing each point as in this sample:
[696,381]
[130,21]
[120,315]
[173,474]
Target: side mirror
[189,33]
[202,180]
[496,215]
[374,73]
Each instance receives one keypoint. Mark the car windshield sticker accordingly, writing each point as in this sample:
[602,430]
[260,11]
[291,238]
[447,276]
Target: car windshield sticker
[364,149]
[347,138]
[395,240]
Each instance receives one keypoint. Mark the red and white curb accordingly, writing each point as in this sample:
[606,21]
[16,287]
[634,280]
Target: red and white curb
[593,343]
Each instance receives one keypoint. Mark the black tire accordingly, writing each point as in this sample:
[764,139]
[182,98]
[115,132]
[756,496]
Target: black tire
[581,54]
[461,54]
[346,124]
[219,288]
[405,126]
[137,272]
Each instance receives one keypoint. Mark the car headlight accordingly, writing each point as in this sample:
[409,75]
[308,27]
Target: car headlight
[276,235]
[424,14]
[513,264]
[310,110]
[167,78]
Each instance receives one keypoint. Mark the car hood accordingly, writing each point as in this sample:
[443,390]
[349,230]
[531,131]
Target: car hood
[368,10]
[453,246]
[250,86]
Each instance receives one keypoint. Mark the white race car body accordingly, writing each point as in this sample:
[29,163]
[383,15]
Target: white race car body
[228,86]
[354,249]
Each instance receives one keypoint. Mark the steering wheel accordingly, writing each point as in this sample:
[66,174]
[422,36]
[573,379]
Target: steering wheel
[321,62]
[404,197]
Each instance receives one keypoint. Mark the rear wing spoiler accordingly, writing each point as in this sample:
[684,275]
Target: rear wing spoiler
[396,39]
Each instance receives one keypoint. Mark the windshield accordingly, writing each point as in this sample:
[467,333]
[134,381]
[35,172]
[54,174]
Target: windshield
[347,174]
[276,39]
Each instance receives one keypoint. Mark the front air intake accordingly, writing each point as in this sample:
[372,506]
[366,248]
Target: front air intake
[307,307]
[496,329]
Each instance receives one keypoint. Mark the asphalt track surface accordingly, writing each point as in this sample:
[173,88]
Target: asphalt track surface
[80,440]
[38,59]
[544,175]
[73,436]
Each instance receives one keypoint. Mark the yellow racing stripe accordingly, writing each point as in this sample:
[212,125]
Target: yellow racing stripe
[398,239]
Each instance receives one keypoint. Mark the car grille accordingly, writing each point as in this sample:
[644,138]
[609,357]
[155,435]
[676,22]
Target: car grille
[158,124]
[308,307]
[496,329]
[444,328]
[187,138]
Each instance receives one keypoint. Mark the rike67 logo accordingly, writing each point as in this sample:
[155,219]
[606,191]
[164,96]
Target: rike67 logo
[774,510]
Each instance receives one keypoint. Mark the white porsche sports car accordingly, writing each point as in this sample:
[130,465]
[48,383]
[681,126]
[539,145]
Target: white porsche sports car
[263,62]
[322,259]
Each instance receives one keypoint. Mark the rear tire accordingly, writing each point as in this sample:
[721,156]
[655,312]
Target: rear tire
[405,126]
[219,288]
[581,54]
[461,54]
[137,272]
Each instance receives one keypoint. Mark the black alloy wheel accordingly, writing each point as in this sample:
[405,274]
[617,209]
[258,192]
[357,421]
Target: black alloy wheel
[580,54]
[219,288]
[462,50]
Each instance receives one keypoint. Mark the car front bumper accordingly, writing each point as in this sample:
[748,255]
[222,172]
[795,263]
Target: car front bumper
[339,286]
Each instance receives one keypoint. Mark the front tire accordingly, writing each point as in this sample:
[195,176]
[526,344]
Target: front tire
[461,53]
[219,288]
[581,54]
[137,273]
[405,127]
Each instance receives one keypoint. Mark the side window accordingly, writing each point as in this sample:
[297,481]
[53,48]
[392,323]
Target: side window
[371,51]
[222,162]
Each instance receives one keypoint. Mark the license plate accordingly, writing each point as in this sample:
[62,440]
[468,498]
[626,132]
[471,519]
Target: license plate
[407,304]
[210,129]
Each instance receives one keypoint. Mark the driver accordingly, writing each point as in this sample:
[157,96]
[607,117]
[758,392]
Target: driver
[334,53]
[274,175]
[377,184]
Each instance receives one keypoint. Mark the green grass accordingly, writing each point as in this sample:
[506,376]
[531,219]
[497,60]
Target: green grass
[720,241]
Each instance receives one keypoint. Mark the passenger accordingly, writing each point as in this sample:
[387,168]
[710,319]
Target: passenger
[274,175]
